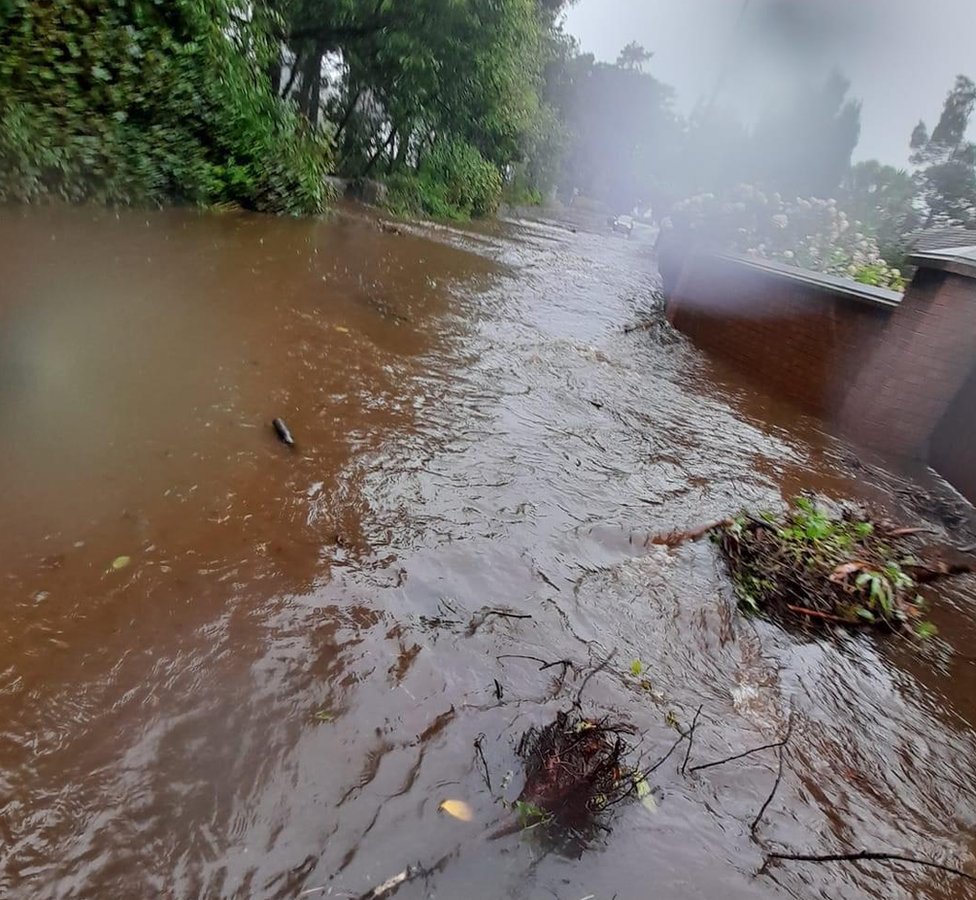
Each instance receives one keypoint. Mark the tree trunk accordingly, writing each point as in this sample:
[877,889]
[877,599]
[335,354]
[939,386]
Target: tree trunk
[347,116]
[403,149]
[375,157]
[274,74]
[309,93]
[296,65]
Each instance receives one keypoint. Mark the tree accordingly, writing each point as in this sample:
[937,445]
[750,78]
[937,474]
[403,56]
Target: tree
[633,56]
[134,101]
[622,130]
[398,79]
[882,199]
[803,147]
[946,161]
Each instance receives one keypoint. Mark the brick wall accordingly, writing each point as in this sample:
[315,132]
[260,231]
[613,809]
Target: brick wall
[923,359]
[800,335]
[953,446]
[895,374]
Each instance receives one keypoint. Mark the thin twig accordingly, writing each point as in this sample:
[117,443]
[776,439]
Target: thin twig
[772,793]
[520,656]
[544,664]
[667,755]
[728,759]
[388,887]
[691,739]
[677,538]
[908,532]
[481,755]
[506,615]
[594,671]
[681,736]
[866,855]
[817,614]
[548,580]
[565,663]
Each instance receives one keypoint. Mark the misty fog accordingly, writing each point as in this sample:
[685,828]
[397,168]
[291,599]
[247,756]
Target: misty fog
[900,56]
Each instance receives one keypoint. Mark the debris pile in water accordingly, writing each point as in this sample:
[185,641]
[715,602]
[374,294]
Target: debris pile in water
[575,771]
[809,564]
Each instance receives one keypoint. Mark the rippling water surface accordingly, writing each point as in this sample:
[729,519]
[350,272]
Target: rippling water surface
[275,691]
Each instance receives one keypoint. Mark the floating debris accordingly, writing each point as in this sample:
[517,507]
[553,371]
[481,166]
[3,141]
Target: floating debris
[845,569]
[284,435]
[575,773]
[457,809]
[811,565]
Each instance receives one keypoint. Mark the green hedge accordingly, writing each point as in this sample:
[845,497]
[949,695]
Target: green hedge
[454,182]
[143,102]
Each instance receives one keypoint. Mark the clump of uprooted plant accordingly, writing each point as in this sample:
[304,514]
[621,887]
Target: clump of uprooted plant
[841,568]
[576,772]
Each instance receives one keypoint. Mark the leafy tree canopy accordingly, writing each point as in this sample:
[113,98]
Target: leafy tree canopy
[134,101]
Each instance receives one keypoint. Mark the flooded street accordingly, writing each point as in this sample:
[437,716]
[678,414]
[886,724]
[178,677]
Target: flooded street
[234,669]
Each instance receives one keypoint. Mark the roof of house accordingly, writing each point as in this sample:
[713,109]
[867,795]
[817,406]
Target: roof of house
[959,260]
[930,240]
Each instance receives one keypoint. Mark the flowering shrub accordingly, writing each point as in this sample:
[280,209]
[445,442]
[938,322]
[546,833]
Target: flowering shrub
[808,233]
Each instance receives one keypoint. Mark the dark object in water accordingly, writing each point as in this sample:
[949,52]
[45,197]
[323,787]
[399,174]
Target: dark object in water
[575,771]
[284,435]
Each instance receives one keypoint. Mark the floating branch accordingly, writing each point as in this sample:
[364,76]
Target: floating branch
[864,856]
[721,762]
[691,739]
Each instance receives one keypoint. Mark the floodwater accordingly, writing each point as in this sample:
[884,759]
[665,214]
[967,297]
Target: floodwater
[234,669]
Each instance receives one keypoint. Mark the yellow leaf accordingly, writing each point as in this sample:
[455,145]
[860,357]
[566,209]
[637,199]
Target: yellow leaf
[458,809]
[120,562]
[341,329]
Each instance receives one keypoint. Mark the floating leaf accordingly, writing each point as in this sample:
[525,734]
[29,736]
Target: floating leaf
[323,715]
[636,667]
[341,329]
[845,569]
[457,809]
[644,792]
[120,562]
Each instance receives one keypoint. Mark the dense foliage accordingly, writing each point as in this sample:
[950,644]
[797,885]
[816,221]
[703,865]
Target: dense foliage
[454,103]
[454,181]
[946,160]
[810,233]
[811,566]
[440,96]
[134,101]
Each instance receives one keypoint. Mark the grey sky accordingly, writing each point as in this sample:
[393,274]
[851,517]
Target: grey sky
[901,56]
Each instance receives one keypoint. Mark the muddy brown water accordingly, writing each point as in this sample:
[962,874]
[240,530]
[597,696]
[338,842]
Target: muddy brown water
[271,698]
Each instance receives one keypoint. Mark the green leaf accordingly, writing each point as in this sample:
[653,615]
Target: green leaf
[323,715]
[120,562]
[636,667]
